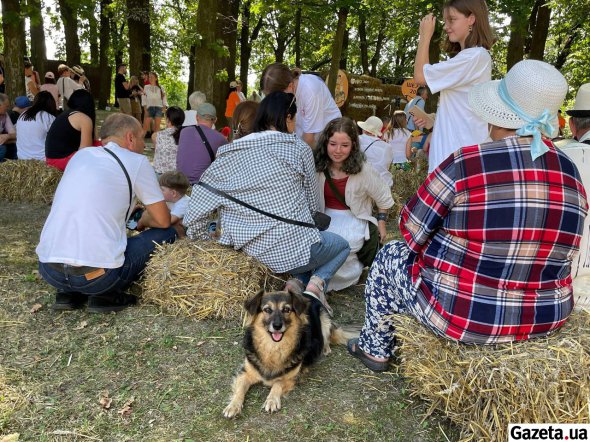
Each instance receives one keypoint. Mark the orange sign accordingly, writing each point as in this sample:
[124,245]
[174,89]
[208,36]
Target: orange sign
[410,88]
[341,93]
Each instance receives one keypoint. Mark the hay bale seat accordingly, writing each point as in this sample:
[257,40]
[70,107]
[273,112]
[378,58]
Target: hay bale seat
[28,181]
[484,388]
[203,279]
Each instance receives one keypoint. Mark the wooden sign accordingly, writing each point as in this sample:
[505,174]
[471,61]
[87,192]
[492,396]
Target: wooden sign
[341,93]
[369,96]
[409,89]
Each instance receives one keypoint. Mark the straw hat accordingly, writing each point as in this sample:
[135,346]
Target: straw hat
[233,84]
[533,85]
[373,125]
[582,105]
[78,70]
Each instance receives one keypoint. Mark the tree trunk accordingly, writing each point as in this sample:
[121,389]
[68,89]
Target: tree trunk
[191,74]
[104,92]
[515,51]
[138,25]
[298,35]
[93,37]
[364,46]
[540,32]
[377,54]
[228,32]
[567,47]
[38,49]
[246,40]
[14,48]
[69,16]
[344,56]
[205,53]
[337,49]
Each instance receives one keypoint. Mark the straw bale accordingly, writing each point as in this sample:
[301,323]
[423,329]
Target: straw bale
[28,181]
[406,183]
[203,279]
[484,388]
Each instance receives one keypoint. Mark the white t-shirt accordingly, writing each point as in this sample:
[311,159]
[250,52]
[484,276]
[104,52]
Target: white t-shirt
[315,105]
[86,225]
[178,209]
[65,87]
[190,118]
[456,124]
[379,154]
[31,134]
[398,145]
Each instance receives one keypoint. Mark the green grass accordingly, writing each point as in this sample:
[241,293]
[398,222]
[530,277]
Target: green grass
[176,371]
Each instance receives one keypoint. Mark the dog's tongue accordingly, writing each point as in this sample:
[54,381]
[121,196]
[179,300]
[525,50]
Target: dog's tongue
[277,336]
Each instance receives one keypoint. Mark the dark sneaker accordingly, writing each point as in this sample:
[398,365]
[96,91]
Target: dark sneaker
[110,302]
[69,301]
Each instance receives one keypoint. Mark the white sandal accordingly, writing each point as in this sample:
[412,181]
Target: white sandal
[321,296]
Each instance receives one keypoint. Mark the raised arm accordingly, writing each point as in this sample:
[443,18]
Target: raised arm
[427,25]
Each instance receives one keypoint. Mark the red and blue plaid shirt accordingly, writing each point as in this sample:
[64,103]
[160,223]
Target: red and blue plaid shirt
[494,234]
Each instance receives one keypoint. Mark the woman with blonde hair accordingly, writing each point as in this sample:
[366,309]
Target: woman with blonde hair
[469,38]
[397,136]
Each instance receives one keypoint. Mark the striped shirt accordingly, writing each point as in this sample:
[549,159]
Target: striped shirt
[494,234]
[271,171]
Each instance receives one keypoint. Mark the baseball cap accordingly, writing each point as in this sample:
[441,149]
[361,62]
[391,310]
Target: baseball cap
[49,75]
[206,109]
[22,102]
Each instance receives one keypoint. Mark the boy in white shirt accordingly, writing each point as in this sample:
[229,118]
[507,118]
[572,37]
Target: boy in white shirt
[174,186]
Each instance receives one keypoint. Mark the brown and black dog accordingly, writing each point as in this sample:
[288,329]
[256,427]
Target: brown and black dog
[285,332]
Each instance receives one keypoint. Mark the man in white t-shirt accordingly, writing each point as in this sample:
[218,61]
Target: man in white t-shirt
[315,107]
[84,251]
[378,152]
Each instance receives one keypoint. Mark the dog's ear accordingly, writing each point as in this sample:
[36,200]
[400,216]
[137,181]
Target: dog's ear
[252,305]
[298,302]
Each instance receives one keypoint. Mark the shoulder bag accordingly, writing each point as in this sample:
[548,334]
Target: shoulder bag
[205,142]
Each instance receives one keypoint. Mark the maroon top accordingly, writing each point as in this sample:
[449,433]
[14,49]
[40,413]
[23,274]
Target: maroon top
[331,201]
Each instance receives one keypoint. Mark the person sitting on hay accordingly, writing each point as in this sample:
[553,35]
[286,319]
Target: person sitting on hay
[84,251]
[272,171]
[490,236]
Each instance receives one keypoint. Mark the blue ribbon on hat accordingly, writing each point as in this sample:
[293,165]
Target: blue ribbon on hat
[533,126]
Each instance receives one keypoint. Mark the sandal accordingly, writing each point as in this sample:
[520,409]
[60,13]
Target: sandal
[318,283]
[371,364]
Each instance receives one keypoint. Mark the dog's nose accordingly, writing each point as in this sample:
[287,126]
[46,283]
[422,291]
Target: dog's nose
[277,325]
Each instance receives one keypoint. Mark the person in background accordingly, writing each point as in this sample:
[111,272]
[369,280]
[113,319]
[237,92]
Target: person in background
[282,183]
[239,91]
[194,154]
[2,77]
[469,38]
[50,86]
[136,93]
[195,100]
[349,187]
[379,153]
[79,76]
[232,100]
[122,92]
[397,136]
[33,125]
[31,83]
[243,122]
[7,129]
[21,104]
[72,130]
[84,251]
[314,100]
[155,101]
[561,122]
[420,101]
[65,86]
[166,141]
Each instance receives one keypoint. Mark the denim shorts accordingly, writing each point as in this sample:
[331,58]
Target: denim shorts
[154,112]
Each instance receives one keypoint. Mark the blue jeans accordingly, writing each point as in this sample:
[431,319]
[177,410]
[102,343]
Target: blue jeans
[325,258]
[2,152]
[137,254]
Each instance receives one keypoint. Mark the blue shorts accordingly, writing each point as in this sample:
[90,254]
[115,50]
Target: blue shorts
[154,112]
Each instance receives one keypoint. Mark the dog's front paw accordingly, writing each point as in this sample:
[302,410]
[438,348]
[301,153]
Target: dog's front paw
[326,350]
[272,404]
[232,410]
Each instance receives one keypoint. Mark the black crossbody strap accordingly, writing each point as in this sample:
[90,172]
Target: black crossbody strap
[335,191]
[128,180]
[242,203]
[205,142]
[370,145]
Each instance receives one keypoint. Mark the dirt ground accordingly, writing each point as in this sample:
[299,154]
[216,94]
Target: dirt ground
[143,375]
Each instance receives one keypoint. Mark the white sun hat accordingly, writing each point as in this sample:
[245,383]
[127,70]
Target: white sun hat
[582,105]
[373,125]
[533,86]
